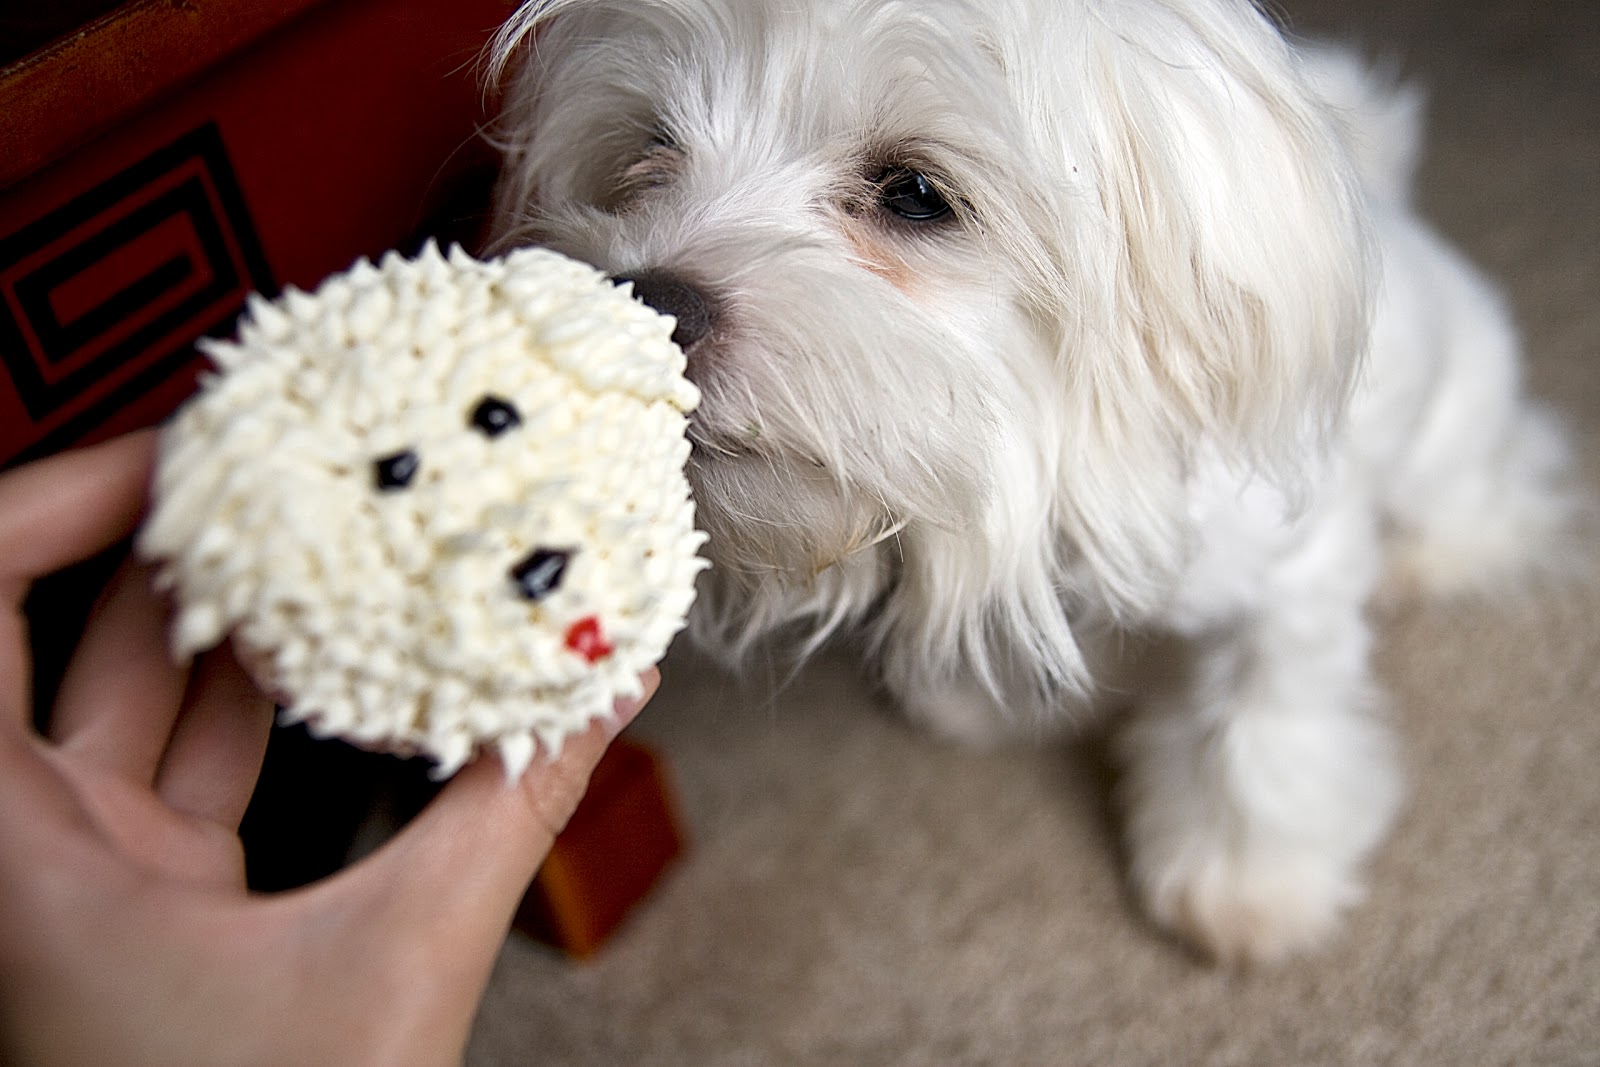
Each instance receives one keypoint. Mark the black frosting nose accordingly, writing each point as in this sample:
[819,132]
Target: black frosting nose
[671,295]
[539,573]
[396,471]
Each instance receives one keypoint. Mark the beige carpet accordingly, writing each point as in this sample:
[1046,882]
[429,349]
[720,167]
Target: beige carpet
[859,894]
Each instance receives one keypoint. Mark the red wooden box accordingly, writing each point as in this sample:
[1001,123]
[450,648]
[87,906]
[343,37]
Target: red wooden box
[165,160]
[617,844]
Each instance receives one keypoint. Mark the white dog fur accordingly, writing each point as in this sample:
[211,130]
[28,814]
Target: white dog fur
[1145,413]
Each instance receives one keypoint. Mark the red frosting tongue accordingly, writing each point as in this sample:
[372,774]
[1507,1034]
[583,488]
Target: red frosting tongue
[587,639]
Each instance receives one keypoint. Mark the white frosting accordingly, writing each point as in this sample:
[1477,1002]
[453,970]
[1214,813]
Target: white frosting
[390,616]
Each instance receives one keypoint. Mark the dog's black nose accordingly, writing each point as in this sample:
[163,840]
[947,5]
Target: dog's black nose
[671,295]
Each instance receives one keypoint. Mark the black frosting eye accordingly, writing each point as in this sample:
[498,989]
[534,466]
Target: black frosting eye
[495,416]
[910,195]
[396,471]
[539,573]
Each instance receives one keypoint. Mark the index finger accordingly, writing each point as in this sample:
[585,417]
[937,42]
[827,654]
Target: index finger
[66,508]
[52,513]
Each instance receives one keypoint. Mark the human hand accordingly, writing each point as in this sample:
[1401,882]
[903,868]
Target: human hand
[126,932]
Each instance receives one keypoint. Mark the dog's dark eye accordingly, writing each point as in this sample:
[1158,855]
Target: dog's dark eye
[910,195]
[539,573]
[396,471]
[494,416]
[655,167]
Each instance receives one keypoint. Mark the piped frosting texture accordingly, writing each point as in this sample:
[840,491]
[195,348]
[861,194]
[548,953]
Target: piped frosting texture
[438,503]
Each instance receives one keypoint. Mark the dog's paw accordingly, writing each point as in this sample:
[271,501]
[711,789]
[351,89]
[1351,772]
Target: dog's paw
[1241,911]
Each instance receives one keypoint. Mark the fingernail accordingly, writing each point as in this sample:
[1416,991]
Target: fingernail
[625,711]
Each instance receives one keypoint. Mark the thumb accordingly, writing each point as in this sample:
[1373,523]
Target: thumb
[462,865]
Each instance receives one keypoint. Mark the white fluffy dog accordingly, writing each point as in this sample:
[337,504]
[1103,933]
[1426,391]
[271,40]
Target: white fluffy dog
[1057,352]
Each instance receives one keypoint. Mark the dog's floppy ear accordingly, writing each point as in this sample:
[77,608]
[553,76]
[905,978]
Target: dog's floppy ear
[1240,284]
[517,33]
[537,120]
